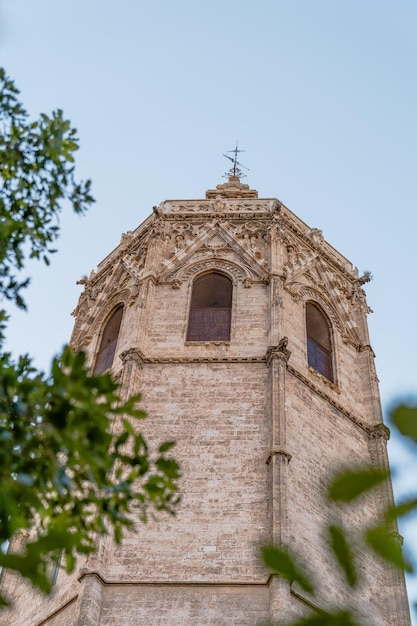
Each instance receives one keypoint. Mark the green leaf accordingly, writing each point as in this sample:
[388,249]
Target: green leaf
[323,618]
[401,510]
[281,562]
[166,446]
[350,484]
[387,545]
[405,419]
[169,467]
[343,553]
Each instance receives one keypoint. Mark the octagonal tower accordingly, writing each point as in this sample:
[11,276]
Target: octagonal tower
[246,333]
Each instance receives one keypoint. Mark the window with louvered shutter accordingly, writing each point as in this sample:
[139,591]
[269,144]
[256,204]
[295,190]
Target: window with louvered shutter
[211,308]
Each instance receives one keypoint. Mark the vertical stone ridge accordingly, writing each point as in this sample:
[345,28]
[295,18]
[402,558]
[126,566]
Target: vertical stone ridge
[278,459]
[396,605]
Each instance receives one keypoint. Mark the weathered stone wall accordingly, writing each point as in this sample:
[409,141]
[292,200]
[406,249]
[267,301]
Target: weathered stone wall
[222,436]
[177,605]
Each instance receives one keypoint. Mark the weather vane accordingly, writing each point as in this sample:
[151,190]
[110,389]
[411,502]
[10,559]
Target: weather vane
[235,170]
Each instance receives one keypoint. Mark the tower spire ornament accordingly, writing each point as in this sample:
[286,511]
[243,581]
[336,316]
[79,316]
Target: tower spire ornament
[235,171]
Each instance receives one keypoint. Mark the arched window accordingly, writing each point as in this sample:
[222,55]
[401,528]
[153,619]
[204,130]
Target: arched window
[319,341]
[108,342]
[211,308]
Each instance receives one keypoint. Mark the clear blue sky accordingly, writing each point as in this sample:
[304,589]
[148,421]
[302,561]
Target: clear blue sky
[322,94]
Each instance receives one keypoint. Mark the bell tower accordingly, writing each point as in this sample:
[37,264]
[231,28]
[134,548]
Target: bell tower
[246,333]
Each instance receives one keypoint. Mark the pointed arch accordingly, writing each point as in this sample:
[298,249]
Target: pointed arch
[211,308]
[319,341]
[108,343]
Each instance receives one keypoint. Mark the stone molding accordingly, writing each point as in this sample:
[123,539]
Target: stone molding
[135,354]
[85,571]
[281,453]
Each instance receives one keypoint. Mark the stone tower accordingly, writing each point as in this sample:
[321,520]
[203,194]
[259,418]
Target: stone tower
[246,332]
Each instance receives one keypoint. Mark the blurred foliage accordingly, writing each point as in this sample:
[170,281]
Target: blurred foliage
[72,463]
[348,486]
[37,175]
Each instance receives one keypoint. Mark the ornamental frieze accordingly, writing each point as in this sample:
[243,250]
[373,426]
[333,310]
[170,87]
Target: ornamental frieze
[218,206]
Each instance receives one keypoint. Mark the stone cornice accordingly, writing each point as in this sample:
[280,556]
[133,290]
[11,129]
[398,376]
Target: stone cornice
[136,354]
[218,207]
[85,571]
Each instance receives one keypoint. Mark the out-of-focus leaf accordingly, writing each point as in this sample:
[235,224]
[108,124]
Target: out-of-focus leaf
[322,618]
[405,419]
[401,510]
[166,446]
[282,563]
[62,471]
[350,484]
[343,553]
[387,545]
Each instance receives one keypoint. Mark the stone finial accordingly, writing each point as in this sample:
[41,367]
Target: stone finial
[232,189]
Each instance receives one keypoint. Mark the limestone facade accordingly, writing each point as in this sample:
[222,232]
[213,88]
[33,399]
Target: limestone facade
[258,429]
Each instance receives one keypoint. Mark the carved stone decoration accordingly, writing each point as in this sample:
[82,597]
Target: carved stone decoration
[90,288]
[276,299]
[307,275]
[379,431]
[218,206]
[308,293]
[235,270]
[372,367]
[81,342]
[316,236]
[159,229]
[182,234]
[90,325]
[133,265]
[133,293]
[278,352]
[126,239]
[214,241]
[176,284]
[298,260]
[253,236]
[132,354]
[234,188]
[357,295]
